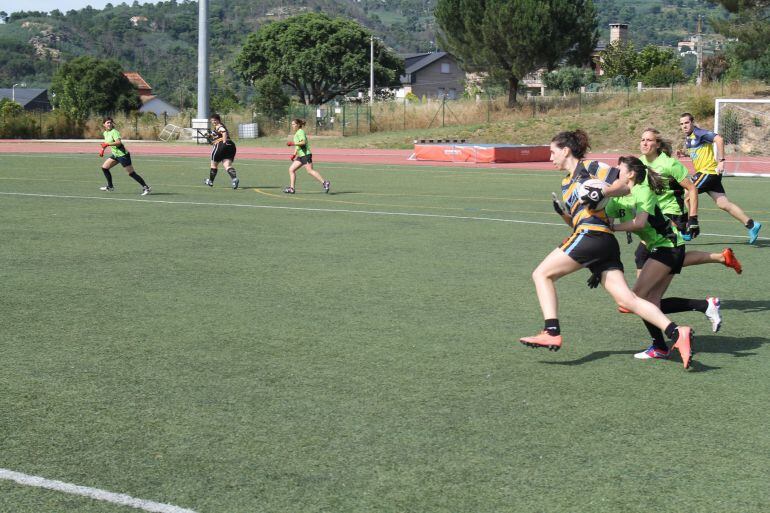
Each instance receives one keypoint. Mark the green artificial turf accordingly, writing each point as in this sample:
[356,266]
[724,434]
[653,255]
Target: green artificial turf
[245,351]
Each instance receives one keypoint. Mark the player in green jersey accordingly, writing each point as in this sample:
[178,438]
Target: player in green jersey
[119,155]
[640,212]
[302,156]
[656,153]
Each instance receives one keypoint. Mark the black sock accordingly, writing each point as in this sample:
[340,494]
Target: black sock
[231,172]
[552,327]
[108,176]
[679,304]
[672,331]
[212,173]
[750,224]
[657,336]
[138,178]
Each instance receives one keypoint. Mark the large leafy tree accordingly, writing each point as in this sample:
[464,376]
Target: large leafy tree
[653,65]
[750,26]
[515,37]
[318,56]
[86,85]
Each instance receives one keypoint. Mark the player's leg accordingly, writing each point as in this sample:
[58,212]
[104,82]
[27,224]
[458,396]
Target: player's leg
[295,165]
[106,166]
[726,257]
[228,165]
[720,198]
[654,278]
[213,169]
[615,283]
[553,267]
[126,163]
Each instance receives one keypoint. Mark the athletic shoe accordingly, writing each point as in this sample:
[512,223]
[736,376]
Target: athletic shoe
[146,190]
[543,339]
[623,310]
[289,190]
[209,182]
[327,186]
[234,182]
[712,313]
[731,260]
[684,345]
[754,232]
[652,352]
[107,188]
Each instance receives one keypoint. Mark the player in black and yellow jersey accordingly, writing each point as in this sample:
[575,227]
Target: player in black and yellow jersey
[593,245]
[223,151]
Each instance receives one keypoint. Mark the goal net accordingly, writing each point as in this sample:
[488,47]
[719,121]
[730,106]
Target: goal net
[744,124]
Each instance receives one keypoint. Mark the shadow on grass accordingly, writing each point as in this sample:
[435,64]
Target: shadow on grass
[746,306]
[709,344]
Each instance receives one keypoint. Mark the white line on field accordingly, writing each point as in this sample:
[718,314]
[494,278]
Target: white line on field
[93,493]
[332,210]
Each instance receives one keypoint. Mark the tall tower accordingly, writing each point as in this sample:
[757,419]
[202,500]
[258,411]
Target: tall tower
[618,32]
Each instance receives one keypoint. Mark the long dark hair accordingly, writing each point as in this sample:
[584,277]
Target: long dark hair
[642,172]
[664,145]
[300,122]
[576,141]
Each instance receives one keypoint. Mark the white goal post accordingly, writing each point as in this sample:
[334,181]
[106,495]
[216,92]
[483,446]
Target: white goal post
[744,124]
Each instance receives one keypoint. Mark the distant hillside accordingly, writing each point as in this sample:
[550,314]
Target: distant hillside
[160,40]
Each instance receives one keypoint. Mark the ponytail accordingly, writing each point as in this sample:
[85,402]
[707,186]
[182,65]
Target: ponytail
[642,173]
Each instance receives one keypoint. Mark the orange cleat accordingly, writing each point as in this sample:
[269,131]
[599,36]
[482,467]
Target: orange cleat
[623,310]
[731,260]
[684,345]
[543,339]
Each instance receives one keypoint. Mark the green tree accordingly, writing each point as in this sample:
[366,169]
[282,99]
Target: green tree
[750,27]
[318,56]
[568,79]
[87,85]
[10,108]
[619,59]
[270,98]
[516,37]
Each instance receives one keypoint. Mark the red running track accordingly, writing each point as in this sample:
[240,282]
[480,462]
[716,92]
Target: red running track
[749,166]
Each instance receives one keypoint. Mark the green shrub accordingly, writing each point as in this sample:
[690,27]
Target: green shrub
[701,106]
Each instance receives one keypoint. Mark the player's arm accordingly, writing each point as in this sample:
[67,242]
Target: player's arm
[560,209]
[691,193]
[222,135]
[720,154]
[634,225]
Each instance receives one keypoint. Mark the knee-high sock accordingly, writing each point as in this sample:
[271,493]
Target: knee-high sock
[138,178]
[680,304]
[108,176]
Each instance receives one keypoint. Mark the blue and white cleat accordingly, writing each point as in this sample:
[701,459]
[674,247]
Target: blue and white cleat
[754,232]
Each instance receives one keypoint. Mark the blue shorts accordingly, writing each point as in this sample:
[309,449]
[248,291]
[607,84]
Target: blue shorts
[124,161]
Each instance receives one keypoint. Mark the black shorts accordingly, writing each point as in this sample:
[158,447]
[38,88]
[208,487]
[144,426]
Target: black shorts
[124,161]
[599,251]
[223,151]
[307,159]
[705,182]
[670,257]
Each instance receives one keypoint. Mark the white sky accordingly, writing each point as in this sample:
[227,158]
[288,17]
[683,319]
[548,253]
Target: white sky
[11,6]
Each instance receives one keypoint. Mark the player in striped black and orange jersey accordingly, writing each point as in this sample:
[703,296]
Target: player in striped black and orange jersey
[709,168]
[593,245]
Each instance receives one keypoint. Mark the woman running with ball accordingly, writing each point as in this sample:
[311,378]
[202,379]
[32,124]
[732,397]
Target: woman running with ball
[593,245]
